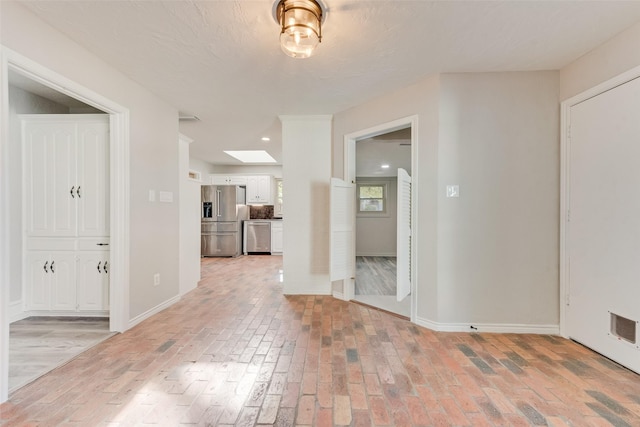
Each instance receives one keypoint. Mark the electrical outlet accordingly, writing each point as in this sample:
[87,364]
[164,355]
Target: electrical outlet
[156,279]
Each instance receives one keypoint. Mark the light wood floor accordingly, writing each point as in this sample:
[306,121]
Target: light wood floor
[375,275]
[235,351]
[39,344]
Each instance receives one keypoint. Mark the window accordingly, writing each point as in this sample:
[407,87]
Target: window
[372,198]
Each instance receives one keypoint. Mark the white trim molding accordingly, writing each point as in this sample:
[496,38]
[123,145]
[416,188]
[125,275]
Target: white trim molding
[498,328]
[16,311]
[565,191]
[153,311]
[349,175]
[119,185]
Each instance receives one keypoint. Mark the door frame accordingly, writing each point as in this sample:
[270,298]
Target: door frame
[349,175]
[119,193]
[565,177]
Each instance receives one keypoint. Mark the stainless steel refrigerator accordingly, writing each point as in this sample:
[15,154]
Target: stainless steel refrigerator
[223,210]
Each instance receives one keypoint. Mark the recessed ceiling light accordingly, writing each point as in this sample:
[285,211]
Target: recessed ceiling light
[266,139]
[252,156]
[385,166]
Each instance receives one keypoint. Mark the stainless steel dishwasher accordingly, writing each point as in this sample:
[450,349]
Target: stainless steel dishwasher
[257,236]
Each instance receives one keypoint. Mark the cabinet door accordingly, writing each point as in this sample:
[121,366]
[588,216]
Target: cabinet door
[264,189]
[93,281]
[50,178]
[37,280]
[219,180]
[259,189]
[237,180]
[63,281]
[93,178]
[276,238]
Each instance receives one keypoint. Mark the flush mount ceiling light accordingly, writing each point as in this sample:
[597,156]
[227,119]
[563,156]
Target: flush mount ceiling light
[300,26]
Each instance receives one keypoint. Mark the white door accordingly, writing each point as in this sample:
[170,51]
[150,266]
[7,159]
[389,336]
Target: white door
[93,178]
[342,238]
[403,235]
[50,178]
[603,228]
[93,281]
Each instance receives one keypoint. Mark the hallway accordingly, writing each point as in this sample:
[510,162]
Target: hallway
[235,351]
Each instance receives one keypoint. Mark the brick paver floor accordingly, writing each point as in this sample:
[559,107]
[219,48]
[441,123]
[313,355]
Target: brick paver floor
[235,351]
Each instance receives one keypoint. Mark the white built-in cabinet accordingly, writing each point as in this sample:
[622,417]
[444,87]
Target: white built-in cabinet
[66,216]
[276,237]
[228,179]
[259,190]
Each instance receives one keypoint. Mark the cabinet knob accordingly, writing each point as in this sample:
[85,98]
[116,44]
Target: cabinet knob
[71,192]
[104,267]
[45,266]
[78,192]
[51,266]
[99,262]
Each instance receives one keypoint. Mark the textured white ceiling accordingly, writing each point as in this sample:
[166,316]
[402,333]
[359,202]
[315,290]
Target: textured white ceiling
[220,60]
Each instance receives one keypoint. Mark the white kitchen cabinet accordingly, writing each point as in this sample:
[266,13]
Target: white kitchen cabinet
[51,281]
[93,281]
[259,190]
[276,237]
[228,179]
[66,187]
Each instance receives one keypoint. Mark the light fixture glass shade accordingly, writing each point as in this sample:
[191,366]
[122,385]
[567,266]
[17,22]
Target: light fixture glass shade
[300,22]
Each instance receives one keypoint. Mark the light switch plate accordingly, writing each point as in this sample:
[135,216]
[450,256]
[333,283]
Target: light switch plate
[166,196]
[152,195]
[453,191]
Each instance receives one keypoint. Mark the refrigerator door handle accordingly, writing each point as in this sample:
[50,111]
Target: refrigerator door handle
[218,192]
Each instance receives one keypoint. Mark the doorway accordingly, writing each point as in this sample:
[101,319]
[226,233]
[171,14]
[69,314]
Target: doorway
[345,203]
[379,159]
[118,197]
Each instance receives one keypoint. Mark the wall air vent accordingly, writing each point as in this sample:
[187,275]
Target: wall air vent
[623,328]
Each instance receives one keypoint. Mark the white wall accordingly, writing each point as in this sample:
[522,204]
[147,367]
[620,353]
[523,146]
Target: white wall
[198,165]
[153,149]
[491,256]
[306,154]
[20,102]
[619,54]
[498,242]
[376,233]
[189,203]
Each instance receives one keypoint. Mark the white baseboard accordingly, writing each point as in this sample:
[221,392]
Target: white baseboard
[155,310]
[16,312]
[386,254]
[64,313]
[500,328]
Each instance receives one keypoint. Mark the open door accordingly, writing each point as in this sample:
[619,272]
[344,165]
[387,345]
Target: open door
[342,238]
[403,235]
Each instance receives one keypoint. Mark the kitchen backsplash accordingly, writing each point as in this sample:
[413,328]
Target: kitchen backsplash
[261,212]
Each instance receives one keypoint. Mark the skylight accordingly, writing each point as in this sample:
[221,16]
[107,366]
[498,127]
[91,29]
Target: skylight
[252,156]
